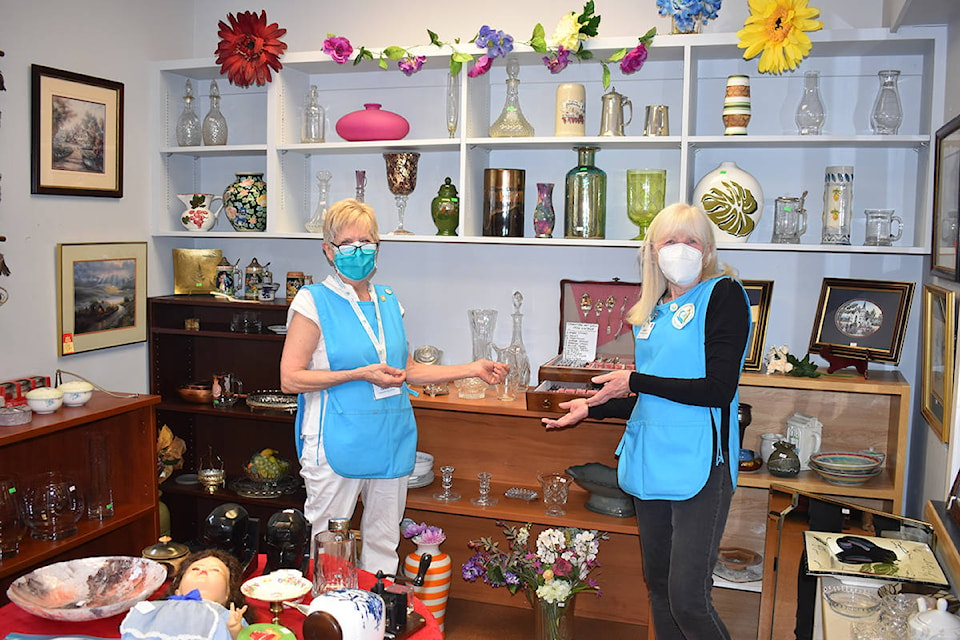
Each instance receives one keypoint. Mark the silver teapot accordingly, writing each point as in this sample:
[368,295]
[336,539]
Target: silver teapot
[611,113]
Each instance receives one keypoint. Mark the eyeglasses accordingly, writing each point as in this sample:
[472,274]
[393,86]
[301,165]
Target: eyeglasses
[348,249]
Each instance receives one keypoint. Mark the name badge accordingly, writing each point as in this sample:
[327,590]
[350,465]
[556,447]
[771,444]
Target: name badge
[379,393]
[644,331]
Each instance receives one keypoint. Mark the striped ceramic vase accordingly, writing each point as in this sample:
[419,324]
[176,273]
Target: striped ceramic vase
[436,587]
[736,106]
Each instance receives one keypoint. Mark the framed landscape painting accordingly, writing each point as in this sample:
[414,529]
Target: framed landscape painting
[101,295]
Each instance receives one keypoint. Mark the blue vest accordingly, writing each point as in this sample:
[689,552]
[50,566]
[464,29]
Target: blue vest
[363,437]
[667,450]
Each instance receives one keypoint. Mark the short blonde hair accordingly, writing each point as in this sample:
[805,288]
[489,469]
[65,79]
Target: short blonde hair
[345,213]
[671,219]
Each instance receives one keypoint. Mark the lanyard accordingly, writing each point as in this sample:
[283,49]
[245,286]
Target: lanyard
[380,344]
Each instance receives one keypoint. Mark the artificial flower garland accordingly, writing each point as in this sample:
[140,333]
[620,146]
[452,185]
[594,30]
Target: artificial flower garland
[776,29]
[249,48]
[567,41]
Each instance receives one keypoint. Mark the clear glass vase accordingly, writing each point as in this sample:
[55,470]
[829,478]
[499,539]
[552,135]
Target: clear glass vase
[887,111]
[188,124]
[585,210]
[511,123]
[315,224]
[482,324]
[810,114]
[453,103]
[553,620]
[214,124]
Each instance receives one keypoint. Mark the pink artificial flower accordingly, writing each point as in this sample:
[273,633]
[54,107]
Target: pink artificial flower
[557,62]
[338,48]
[633,61]
[480,67]
[411,64]
[562,568]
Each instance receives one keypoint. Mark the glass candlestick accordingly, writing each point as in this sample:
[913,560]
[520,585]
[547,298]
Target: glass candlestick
[511,123]
[361,185]
[484,500]
[446,483]
[214,124]
[315,224]
[401,180]
[188,124]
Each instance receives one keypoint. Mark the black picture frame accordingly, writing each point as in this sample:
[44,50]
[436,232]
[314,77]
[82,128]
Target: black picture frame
[944,257]
[864,319]
[76,144]
[759,292]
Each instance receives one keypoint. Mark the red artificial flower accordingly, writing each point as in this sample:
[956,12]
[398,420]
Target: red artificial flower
[249,48]
[480,67]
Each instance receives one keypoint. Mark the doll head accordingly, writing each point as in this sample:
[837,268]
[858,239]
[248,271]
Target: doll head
[215,573]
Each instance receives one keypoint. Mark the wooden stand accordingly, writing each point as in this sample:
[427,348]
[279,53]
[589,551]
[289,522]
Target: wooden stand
[836,362]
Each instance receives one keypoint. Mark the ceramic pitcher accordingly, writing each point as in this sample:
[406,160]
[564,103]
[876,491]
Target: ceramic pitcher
[198,216]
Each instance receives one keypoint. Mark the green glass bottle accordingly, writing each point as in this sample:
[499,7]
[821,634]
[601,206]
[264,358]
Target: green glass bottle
[585,211]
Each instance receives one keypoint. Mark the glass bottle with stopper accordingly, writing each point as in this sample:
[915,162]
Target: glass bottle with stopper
[522,373]
[188,124]
[214,124]
[315,224]
[312,130]
[511,123]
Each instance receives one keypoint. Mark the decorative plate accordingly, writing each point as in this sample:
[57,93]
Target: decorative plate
[254,489]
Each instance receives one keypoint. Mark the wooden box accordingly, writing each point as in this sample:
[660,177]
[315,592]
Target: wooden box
[604,303]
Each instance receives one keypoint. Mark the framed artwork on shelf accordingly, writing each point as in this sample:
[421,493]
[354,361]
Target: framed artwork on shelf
[101,295]
[77,134]
[759,292]
[938,352]
[863,319]
[946,200]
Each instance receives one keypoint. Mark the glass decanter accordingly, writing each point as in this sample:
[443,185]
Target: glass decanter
[312,129]
[516,341]
[511,123]
[810,114]
[453,104]
[214,124]
[315,224]
[188,124]
[887,112]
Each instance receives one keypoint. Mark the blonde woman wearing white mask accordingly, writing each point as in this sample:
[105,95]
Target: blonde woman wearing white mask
[679,453]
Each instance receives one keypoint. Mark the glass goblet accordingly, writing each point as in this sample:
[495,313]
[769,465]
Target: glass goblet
[646,191]
[401,180]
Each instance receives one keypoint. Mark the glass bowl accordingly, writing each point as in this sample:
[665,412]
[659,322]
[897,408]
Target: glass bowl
[471,388]
[52,504]
[852,602]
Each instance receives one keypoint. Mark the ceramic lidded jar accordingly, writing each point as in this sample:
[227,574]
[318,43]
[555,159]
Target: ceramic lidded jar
[445,209]
[372,123]
[360,614]
[245,202]
[732,199]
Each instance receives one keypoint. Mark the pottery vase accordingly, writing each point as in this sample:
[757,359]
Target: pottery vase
[436,586]
[544,217]
[736,106]
[245,202]
[372,123]
[733,201]
[198,216]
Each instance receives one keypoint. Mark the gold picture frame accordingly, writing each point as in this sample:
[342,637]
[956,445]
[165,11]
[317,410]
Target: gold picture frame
[946,200]
[760,292]
[76,135]
[938,354]
[101,295]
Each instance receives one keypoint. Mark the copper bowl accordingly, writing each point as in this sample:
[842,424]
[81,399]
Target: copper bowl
[197,392]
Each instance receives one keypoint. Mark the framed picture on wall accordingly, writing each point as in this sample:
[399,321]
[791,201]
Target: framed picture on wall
[946,200]
[101,295]
[759,292]
[864,319]
[938,352]
[77,134]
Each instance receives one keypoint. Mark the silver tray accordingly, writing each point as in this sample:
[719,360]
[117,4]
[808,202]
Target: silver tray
[254,489]
[272,400]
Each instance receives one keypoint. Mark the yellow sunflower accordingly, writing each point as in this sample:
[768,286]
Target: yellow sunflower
[776,29]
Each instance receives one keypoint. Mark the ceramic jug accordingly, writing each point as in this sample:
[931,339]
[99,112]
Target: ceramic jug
[806,438]
[611,113]
[198,216]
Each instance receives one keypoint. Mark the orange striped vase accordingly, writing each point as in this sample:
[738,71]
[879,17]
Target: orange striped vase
[436,586]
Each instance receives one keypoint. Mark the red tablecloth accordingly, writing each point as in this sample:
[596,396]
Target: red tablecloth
[13,618]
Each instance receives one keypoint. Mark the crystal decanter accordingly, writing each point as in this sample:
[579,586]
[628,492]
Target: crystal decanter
[214,124]
[188,124]
[315,224]
[516,341]
[511,123]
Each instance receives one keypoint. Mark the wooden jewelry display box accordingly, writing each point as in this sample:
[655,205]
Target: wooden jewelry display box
[605,304]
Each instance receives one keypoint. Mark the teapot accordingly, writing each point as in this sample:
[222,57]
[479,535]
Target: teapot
[611,113]
[933,624]
[198,216]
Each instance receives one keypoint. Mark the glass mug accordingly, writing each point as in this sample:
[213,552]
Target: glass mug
[879,225]
[789,220]
[226,390]
[12,523]
[335,561]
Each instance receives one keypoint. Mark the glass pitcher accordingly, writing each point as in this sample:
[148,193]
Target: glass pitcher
[789,220]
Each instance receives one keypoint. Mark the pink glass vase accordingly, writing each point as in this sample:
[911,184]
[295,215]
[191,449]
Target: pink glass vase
[372,123]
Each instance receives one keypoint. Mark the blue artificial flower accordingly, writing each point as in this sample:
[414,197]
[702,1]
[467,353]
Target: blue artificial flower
[686,13]
[496,42]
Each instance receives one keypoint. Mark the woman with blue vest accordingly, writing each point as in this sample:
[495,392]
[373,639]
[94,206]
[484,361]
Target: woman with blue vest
[345,354]
[679,454]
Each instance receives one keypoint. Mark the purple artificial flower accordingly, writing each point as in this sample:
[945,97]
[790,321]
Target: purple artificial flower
[483,36]
[338,48]
[473,568]
[411,64]
[510,578]
[480,67]
[633,61]
[557,62]
[496,42]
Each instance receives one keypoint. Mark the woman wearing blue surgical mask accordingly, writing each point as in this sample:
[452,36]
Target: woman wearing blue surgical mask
[345,354]
[679,453]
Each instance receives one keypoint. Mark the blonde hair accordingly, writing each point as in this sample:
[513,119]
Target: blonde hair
[345,213]
[677,217]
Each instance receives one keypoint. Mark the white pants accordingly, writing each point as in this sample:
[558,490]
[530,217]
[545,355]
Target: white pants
[332,496]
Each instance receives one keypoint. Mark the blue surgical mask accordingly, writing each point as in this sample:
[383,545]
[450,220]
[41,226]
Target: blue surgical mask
[357,266]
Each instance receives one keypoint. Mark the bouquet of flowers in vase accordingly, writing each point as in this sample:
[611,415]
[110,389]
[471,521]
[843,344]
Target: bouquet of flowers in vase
[422,533]
[551,568]
[688,15]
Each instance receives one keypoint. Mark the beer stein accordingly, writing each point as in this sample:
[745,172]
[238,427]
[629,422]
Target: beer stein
[611,113]
[789,220]
[879,224]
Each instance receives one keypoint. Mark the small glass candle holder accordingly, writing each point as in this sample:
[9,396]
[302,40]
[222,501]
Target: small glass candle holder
[484,499]
[446,483]
[555,487]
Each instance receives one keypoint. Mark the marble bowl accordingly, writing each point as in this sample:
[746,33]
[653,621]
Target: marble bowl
[45,399]
[88,588]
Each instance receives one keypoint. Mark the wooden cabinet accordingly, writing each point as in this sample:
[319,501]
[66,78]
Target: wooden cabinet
[178,356]
[58,441]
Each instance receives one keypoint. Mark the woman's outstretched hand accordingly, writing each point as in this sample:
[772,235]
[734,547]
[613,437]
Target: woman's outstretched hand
[576,411]
[489,371]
